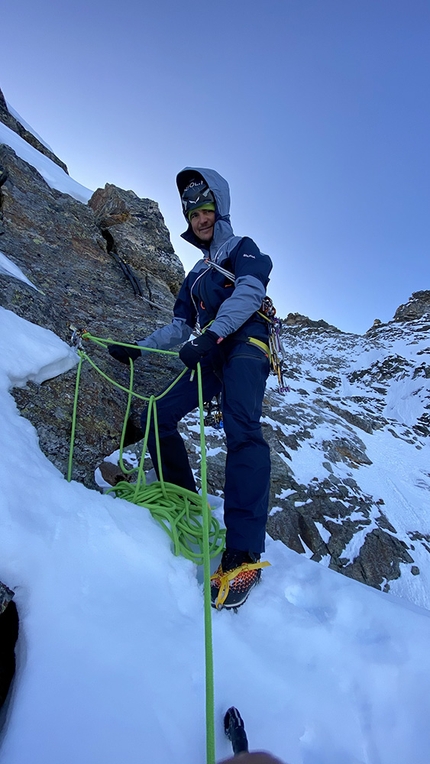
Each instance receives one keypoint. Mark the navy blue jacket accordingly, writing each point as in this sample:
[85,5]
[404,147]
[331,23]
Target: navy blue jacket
[208,295]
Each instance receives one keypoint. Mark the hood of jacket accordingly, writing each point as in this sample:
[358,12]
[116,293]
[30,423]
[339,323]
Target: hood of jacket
[220,189]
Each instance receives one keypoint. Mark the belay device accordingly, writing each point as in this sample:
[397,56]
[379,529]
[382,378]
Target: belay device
[277,352]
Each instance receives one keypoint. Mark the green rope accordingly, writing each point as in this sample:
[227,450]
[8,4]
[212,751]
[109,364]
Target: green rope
[176,509]
[74,414]
[207,519]
[185,516]
[179,512]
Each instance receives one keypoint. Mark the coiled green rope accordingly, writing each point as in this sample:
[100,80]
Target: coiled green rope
[178,510]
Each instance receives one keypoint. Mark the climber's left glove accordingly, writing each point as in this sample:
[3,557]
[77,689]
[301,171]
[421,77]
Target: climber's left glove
[195,350]
[120,353]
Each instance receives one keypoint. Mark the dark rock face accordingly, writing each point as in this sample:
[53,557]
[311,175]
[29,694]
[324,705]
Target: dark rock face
[9,120]
[136,231]
[299,320]
[56,242]
[379,560]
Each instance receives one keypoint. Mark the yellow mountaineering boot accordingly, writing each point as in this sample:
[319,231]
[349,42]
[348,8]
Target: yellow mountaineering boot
[236,575]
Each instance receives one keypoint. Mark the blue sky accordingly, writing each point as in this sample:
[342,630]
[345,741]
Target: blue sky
[317,113]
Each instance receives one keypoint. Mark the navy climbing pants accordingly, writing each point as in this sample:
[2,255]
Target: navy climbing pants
[247,473]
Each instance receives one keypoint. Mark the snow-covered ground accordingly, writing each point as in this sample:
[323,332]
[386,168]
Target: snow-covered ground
[110,655]
[383,381]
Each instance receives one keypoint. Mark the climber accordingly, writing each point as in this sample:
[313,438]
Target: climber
[223,293]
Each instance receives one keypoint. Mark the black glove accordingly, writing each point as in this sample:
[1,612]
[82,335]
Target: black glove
[195,350]
[124,354]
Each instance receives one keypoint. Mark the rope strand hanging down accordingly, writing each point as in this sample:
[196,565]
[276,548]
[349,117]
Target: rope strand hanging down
[184,515]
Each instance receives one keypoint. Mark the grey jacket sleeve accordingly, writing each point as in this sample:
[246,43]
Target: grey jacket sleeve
[245,300]
[168,336]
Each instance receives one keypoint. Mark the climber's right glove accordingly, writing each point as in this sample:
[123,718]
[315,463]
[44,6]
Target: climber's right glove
[195,350]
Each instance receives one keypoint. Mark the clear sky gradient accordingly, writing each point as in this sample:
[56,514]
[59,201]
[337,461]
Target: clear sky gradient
[316,111]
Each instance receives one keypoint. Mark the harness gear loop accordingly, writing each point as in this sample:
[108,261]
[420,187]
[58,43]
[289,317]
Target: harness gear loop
[262,345]
[267,311]
[213,416]
[276,349]
[225,579]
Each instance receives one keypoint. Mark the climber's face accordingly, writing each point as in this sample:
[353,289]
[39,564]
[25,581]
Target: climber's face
[202,222]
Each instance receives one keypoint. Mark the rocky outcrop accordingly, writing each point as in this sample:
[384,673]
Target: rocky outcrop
[327,517]
[417,306]
[59,246]
[299,320]
[338,400]
[8,119]
[135,230]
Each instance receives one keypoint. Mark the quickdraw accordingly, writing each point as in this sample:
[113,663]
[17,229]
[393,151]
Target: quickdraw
[77,337]
[276,348]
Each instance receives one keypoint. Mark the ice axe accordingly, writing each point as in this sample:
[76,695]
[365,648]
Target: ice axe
[235,730]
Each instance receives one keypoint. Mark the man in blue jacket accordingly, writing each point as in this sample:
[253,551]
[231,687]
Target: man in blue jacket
[223,294]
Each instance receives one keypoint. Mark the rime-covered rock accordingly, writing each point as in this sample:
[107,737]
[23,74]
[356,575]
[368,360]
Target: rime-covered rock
[8,119]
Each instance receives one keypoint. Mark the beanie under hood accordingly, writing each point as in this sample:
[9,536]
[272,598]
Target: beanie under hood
[220,189]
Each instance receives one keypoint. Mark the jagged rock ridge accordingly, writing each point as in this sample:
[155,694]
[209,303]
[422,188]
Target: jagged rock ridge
[8,119]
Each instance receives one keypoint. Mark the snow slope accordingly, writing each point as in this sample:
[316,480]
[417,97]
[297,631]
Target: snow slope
[368,396]
[51,172]
[8,268]
[110,653]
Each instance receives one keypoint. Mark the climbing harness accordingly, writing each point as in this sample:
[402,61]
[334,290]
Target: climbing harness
[275,349]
